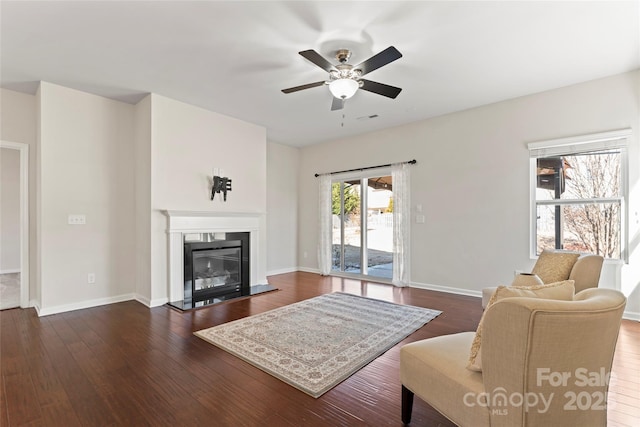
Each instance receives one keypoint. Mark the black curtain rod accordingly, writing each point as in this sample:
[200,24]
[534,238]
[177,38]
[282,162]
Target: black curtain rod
[411,162]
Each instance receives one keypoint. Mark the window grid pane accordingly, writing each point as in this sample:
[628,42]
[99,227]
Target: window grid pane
[587,227]
[579,199]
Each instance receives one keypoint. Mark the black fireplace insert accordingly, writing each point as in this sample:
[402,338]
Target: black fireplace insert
[216,267]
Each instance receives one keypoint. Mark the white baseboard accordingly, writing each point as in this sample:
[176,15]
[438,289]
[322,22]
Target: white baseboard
[447,289]
[631,315]
[10,271]
[45,311]
[142,300]
[150,303]
[282,271]
[158,302]
[309,270]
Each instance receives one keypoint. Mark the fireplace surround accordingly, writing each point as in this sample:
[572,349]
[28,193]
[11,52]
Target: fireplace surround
[184,225]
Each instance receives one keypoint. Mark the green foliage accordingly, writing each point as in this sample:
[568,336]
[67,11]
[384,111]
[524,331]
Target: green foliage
[390,207]
[351,199]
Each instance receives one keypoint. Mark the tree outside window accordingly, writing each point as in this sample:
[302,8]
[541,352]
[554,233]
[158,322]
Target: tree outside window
[579,202]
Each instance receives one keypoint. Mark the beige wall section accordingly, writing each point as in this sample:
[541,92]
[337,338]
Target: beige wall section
[282,208]
[142,173]
[87,155]
[472,179]
[9,210]
[18,118]
[187,142]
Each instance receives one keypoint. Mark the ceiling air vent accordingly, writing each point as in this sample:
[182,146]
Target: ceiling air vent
[373,116]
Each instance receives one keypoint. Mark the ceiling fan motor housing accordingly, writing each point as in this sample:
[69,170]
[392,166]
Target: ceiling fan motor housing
[343,55]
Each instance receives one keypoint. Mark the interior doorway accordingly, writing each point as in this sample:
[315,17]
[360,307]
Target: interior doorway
[15,184]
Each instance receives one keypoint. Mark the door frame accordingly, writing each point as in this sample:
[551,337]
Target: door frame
[24,217]
[361,175]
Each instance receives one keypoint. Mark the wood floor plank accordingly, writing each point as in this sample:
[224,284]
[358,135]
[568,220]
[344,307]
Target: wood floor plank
[125,364]
[20,391]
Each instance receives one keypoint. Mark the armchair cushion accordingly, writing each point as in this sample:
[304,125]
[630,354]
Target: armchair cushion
[554,266]
[446,383]
[563,290]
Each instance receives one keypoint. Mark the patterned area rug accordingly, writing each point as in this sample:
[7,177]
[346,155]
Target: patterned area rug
[317,343]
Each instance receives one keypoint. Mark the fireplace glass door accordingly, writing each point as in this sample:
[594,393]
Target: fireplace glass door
[216,268]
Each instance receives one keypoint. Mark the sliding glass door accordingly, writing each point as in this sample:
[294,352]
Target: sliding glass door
[362,232]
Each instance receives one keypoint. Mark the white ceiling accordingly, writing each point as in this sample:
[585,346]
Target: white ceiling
[234,57]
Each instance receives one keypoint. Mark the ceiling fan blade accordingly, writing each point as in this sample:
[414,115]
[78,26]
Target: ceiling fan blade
[388,55]
[318,59]
[307,86]
[380,88]
[337,104]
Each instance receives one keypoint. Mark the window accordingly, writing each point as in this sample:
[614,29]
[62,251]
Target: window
[579,193]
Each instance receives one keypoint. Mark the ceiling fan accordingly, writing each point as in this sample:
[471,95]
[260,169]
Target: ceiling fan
[345,79]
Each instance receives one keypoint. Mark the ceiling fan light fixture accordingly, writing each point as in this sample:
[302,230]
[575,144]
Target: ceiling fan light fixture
[343,88]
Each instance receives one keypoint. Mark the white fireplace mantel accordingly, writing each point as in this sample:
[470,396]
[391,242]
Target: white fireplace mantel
[184,222]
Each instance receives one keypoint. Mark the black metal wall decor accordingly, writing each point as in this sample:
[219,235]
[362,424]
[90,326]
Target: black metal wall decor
[220,185]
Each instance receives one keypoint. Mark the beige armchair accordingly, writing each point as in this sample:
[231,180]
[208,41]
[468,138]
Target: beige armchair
[545,363]
[583,269]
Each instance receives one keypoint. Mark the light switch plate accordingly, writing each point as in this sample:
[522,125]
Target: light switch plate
[77,219]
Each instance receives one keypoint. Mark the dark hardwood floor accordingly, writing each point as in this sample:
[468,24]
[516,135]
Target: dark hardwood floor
[126,364]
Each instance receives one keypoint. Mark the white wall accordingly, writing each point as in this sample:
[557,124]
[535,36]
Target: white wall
[18,115]
[472,178]
[120,165]
[9,210]
[187,142]
[142,149]
[86,152]
[282,208]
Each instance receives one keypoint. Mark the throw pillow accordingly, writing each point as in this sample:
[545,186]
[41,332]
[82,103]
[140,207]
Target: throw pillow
[554,266]
[563,290]
[526,279]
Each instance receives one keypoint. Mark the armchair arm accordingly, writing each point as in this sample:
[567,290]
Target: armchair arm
[504,358]
[586,272]
[537,353]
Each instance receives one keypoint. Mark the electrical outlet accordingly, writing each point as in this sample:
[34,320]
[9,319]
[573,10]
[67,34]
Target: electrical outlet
[91,278]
